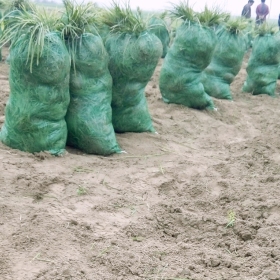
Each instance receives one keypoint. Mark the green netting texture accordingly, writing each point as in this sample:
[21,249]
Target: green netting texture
[225,64]
[279,72]
[262,69]
[158,27]
[133,60]
[38,101]
[181,73]
[102,30]
[248,34]
[89,116]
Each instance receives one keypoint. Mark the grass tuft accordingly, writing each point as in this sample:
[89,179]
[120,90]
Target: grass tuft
[81,190]
[124,20]
[183,11]
[77,19]
[265,28]
[21,5]
[212,17]
[208,17]
[33,23]
[237,25]
[231,219]
[3,4]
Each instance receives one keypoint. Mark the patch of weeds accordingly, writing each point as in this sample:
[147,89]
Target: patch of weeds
[137,238]
[104,183]
[231,219]
[81,190]
[81,169]
[38,196]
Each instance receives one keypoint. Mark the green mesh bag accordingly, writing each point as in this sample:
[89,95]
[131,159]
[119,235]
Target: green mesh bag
[158,27]
[225,64]
[1,15]
[263,65]
[102,30]
[133,60]
[248,34]
[189,55]
[38,101]
[89,116]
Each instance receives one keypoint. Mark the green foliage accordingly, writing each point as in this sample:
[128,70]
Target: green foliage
[266,28]
[76,19]
[163,15]
[18,5]
[183,11]
[208,17]
[124,20]
[81,190]
[3,4]
[236,25]
[32,22]
[231,219]
[212,17]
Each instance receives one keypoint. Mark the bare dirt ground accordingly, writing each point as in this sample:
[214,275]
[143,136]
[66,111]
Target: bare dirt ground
[199,200]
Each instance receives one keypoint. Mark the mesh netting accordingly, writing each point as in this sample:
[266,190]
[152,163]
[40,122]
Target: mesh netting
[158,27]
[133,60]
[263,65]
[248,34]
[225,64]
[89,116]
[189,55]
[35,111]
[102,30]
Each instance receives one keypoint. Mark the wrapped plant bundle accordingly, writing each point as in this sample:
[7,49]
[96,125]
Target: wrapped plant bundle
[134,53]
[89,116]
[39,87]
[102,30]
[226,61]
[263,64]
[248,33]
[191,52]
[158,27]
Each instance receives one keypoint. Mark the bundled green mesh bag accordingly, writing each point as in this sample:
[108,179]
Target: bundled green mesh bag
[133,59]
[38,101]
[89,116]
[248,33]
[225,64]
[158,27]
[263,65]
[103,31]
[189,55]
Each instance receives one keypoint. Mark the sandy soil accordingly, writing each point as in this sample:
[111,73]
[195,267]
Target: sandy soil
[200,200]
